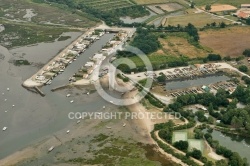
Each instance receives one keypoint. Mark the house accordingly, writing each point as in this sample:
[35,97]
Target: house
[205,88]
[245,6]
[243,14]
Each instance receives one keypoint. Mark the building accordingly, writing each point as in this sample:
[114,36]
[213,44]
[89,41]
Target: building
[243,13]
[245,6]
[205,88]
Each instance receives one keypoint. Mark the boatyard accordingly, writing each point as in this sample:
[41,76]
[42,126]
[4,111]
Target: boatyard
[77,49]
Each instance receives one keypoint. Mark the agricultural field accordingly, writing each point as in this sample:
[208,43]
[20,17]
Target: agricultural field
[179,46]
[142,2]
[179,136]
[197,19]
[162,8]
[236,3]
[231,41]
[105,5]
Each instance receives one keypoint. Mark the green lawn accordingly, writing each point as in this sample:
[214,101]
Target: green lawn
[195,143]
[235,3]
[197,19]
[179,136]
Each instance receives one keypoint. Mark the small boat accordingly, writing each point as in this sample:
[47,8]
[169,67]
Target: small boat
[5,99]
[6,111]
[78,121]
[68,95]
[68,131]
[5,128]
[124,124]
[103,107]
[108,127]
[8,89]
[13,105]
[88,93]
[51,148]
[72,101]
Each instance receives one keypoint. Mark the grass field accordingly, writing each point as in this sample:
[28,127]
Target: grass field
[227,42]
[179,46]
[146,2]
[197,144]
[105,5]
[179,136]
[236,3]
[197,19]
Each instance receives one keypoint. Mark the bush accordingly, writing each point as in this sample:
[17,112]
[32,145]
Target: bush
[214,57]
[243,68]
[246,52]
[181,145]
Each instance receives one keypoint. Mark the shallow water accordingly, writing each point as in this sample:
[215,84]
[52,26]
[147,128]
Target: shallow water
[235,143]
[129,20]
[33,116]
[173,85]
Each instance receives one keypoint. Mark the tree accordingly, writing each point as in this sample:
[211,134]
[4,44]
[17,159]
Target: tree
[208,7]
[214,57]
[181,145]
[221,163]
[222,25]
[243,68]
[246,52]
[162,78]
[248,21]
[192,5]
[195,154]
[166,134]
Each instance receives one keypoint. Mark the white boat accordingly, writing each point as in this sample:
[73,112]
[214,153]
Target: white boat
[78,121]
[13,105]
[87,93]
[5,128]
[68,131]
[103,107]
[51,148]
[5,99]
[108,127]
[8,89]
[6,111]
[124,124]
[72,101]
[68,95]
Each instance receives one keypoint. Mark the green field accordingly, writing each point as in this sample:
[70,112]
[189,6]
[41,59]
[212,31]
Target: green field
[105,5]
[179,136]
[196,144]
[197,19]
[235,3]
[142,2]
